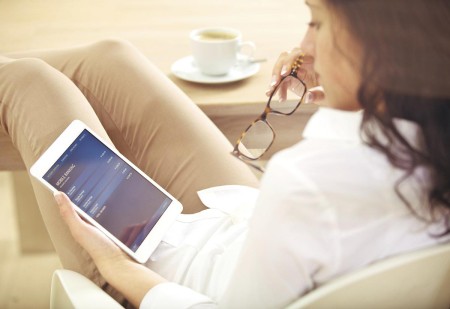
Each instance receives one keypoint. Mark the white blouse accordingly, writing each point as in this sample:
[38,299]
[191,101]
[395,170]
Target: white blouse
[326,206]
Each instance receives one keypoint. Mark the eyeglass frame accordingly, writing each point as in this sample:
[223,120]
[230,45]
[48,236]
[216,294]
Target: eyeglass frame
[263,117]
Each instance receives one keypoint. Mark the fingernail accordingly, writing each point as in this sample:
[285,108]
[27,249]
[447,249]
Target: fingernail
[284,70]
[58,197]
[309,98]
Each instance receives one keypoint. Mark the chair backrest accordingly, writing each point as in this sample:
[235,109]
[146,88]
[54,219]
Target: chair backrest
[419,279]
[72,290]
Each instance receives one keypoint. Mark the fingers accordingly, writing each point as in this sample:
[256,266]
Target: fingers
[314,95]
[68,213]
[65,207]
[282,92]
[283,67]
[285,61]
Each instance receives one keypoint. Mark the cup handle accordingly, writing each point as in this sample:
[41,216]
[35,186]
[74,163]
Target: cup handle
[246,50]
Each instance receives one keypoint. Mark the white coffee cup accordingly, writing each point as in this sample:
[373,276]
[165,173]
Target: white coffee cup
[215,50]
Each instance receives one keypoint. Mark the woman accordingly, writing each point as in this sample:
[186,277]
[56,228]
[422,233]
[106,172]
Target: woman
[369,180]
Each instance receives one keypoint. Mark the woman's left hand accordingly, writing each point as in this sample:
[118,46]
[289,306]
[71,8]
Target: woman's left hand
[102,250]
[284,65]
[305,72]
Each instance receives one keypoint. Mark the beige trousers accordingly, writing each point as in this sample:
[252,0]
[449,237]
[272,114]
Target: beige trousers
[117,92]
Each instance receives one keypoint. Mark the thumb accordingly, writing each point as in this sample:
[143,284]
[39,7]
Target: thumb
[314,95]
[66,209]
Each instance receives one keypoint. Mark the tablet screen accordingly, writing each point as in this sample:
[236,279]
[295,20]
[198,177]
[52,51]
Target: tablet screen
[108,189]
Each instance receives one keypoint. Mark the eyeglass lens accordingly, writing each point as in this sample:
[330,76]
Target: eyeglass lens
[260,135]
[287,95]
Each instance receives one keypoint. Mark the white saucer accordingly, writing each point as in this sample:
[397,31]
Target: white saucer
[186,69]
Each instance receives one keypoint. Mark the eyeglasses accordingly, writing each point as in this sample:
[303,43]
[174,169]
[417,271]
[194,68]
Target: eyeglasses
[259,135]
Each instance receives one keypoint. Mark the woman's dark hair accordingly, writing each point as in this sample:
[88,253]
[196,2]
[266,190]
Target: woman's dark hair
[406,65]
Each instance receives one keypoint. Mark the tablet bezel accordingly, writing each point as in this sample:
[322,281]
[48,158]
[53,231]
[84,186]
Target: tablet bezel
[56,150]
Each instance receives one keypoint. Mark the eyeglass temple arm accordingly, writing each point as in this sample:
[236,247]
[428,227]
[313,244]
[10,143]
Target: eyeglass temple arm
[255,166]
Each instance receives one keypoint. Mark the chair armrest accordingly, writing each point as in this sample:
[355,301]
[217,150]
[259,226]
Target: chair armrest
[72,290]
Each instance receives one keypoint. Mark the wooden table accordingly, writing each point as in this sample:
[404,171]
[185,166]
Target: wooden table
[160,29]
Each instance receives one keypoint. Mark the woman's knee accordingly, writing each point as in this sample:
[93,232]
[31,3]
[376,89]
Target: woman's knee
[108,45]
[111,51]
[21,72]
[25,82]
[30,84]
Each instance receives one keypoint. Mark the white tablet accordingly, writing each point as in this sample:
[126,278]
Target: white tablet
[108,190]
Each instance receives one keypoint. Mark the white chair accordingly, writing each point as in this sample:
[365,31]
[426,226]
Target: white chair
[71,290]
[419,279]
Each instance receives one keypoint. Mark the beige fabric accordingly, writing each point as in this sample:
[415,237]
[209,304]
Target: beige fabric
[116,91]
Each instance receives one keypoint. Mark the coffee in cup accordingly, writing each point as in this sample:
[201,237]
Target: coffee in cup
[215,35]
[215,50]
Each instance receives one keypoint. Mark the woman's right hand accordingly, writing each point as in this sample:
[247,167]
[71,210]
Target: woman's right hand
[306,73]
[131,279]
[103,251]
